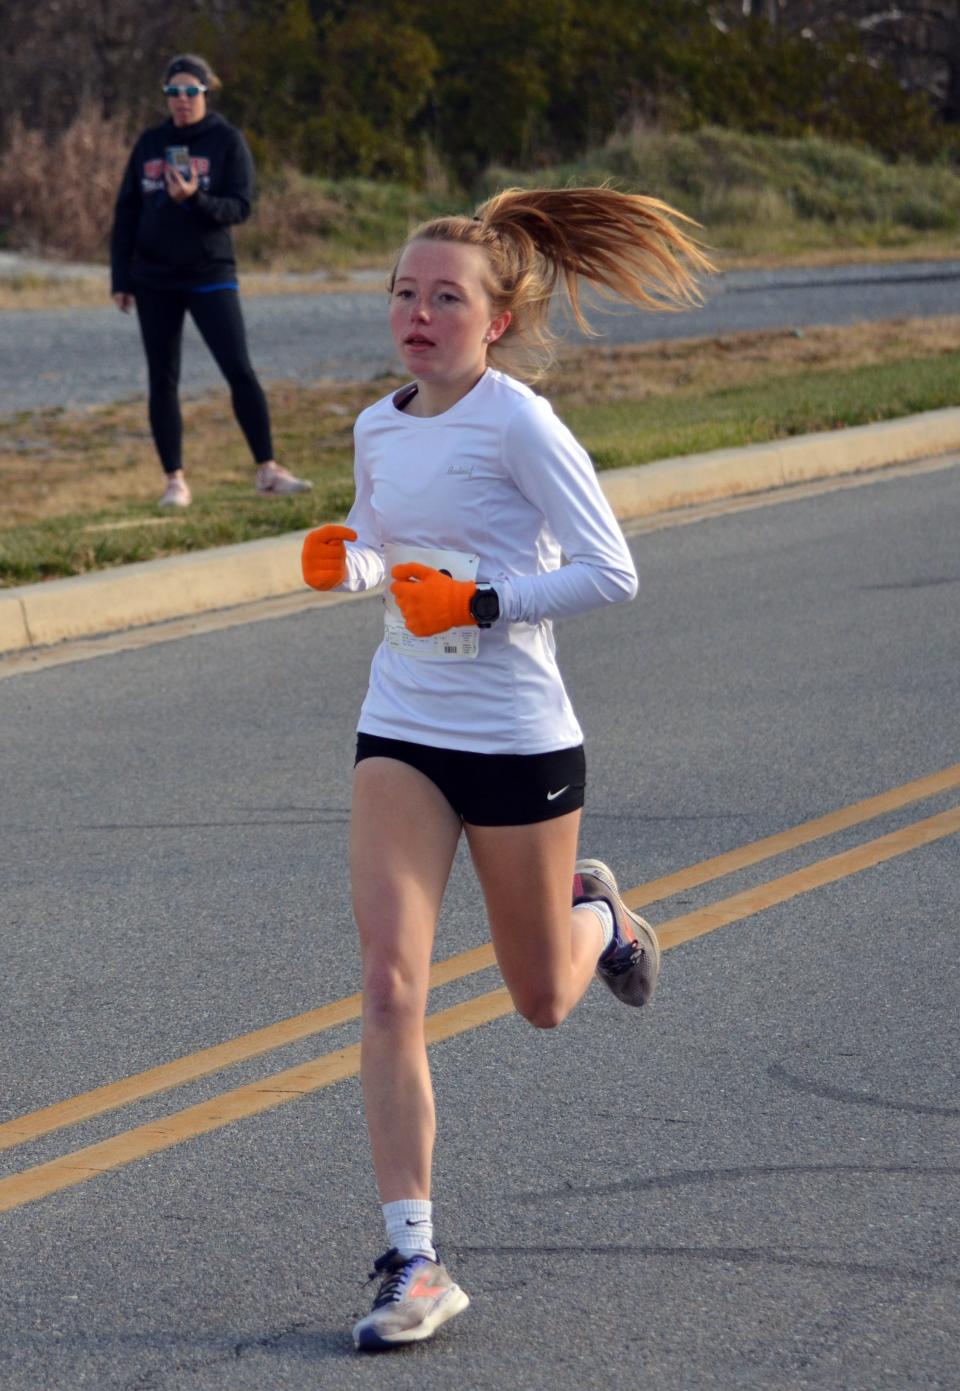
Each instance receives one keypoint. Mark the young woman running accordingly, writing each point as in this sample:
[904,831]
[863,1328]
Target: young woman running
[484,516]
[188,181]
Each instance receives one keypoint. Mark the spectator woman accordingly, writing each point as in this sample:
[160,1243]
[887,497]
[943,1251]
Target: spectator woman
[483,515]
[188,181]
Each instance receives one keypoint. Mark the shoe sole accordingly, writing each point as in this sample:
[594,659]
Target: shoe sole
[453,1302]
[603,872]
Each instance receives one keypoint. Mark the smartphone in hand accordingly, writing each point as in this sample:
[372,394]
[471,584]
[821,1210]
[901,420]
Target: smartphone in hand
[178,157]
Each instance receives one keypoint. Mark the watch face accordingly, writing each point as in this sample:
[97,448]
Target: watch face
[485,606]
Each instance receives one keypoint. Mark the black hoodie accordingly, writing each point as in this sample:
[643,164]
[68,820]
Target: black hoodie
[163,245]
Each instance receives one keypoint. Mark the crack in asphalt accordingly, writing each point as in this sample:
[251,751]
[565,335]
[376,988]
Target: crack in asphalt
[726,1255]
[683,1177]
[854,1098]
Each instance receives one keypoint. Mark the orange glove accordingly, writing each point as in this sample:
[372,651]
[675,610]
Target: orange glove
[324,556]
[430,601]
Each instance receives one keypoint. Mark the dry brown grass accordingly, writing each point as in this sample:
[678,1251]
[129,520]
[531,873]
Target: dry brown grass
[295,218]
[34,290]
[597,374]
[63,192]
[93,292]
[59,463]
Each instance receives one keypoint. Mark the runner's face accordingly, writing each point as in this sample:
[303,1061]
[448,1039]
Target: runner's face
[186,111]
[440,314]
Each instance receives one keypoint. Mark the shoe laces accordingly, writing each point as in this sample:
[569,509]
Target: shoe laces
[623,958]
[393,1268]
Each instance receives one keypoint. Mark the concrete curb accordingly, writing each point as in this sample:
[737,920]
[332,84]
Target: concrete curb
[699,478]
[151,591]
[155,591]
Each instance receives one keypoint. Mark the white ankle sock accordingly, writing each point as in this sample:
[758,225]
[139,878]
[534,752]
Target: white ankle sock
[601,910]
[410,1226]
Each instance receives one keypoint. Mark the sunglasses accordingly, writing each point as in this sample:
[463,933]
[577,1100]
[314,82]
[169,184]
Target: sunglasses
[192,91]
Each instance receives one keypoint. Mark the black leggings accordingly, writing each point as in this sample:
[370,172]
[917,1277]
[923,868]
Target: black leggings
[217,315]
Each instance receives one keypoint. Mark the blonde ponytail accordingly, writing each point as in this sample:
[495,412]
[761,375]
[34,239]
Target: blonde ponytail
[626,246]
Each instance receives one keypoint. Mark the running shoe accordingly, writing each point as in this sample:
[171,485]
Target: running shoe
[176,493]
[415,1297]
[631,963]
[275,481]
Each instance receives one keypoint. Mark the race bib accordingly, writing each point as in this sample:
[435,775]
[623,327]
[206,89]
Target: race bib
[453,645]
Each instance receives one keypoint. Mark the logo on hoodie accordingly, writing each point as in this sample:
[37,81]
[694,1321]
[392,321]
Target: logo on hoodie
[152,180]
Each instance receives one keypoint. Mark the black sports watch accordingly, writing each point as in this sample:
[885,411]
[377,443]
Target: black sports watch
[485,605]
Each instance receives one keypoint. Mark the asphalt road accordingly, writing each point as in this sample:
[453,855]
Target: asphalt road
[752,1184]
[79,357]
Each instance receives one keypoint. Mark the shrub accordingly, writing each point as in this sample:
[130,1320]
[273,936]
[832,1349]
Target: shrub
[308,222]
[70,213]
[293,213]
[760,80]
[759,192]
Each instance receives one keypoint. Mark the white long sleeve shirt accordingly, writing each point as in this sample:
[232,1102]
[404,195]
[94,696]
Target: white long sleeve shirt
[500,477]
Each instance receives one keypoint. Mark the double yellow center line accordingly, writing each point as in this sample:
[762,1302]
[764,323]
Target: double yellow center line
[43,1179]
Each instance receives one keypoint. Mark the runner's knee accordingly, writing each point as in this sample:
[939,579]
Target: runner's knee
[542,1008]
[392,998]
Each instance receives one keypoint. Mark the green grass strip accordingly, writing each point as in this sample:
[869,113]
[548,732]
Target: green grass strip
[75,545]
[617,435]
[638,432]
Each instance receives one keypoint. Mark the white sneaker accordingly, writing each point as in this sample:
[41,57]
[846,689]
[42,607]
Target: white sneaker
[631,963]
[176,494]
[275,481]
[416,1296]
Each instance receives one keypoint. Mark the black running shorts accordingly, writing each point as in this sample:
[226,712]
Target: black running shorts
[493,789]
